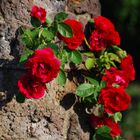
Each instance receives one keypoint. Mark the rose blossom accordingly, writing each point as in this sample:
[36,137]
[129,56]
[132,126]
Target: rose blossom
[31,87]
[97,122]
[97,41]
[114,99]
[103,24]
[39,13]
[78,35]
[44,65]
[115,76]
[128,67]
[103,35]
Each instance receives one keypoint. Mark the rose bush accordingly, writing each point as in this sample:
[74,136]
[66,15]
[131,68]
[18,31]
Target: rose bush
[105,69]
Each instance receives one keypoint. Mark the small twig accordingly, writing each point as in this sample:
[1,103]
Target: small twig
[87,43]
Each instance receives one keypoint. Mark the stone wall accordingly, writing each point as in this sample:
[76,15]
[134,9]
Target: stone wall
[55,116]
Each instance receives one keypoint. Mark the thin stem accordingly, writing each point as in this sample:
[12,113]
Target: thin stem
[87,43]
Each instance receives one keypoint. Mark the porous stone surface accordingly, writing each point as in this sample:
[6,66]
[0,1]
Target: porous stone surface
[58,115]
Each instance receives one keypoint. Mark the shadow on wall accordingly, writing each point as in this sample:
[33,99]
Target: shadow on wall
[10,71]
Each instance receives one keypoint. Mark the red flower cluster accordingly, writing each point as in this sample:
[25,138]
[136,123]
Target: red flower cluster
[97,122]
[78,35]
[115,76]
[42,67]
[103,35]
[120,76]
[114,99]
[39,13]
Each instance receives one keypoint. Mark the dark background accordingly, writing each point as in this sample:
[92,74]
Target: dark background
[125,14]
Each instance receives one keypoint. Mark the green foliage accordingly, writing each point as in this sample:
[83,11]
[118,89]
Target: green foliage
[25,55]
[49,21]
[85,90]
[90,63]
[54,48]
[20,98]
[117,117]
[60,17]
[91,21]
[103,129]
[64,29]
[76,57]
[30,38]
[47,34]
[93,81]
[61,78]
[102,84]
[35,22]
[102,133]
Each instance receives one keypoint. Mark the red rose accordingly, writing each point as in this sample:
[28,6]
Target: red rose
[31,87]
[97,41]
[78,35]
[104,34]
[128,67]
[115,76]
[114,99]
[39,13]
[43,65]
[115,129]
[103,24]
[97,122]
[113,38]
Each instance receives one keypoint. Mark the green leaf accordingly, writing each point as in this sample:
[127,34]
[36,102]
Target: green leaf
[64,29]
[76,57]
[60,17]
[29,37]
[54,48]
[41,46]
[102,84]
[91,21]
[114,57]
[103,129]
[93,81]
[103,137]
[61,78]
[90,63]
[118,138]
[20,98]
[25,55]
[47,34]
[35,22]
[117,117]
[85,90]
[103,133]
[49,21]
[94,137]
[89,54]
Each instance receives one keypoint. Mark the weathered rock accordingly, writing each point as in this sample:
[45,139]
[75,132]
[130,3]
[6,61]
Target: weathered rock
[57,116]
